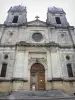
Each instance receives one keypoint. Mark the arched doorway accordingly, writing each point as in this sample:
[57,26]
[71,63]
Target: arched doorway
[37,77]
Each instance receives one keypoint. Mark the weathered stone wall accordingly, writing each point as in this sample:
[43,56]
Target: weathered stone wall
[52,57]
[5,87]
[67,87]
[10,60]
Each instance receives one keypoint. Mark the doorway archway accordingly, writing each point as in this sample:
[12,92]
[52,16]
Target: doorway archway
[37,77]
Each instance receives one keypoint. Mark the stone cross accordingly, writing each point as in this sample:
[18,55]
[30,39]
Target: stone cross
[37,17]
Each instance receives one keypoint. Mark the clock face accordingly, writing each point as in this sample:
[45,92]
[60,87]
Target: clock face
[37,37]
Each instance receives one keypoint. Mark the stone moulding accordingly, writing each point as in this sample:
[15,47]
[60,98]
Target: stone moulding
[26,80]
[50,44]
[55,79]
[5,80]
[19,79]
[61,79]
[23,43]
[13,79]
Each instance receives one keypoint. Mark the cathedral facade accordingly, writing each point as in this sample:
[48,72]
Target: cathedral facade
[37,55]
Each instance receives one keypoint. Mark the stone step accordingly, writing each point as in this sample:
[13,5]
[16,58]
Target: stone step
[38,95]
[37,98]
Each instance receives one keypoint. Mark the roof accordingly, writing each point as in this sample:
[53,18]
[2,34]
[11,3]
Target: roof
[18,8]
[55,10]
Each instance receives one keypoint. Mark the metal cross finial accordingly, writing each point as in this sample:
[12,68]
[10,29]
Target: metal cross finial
[37,17]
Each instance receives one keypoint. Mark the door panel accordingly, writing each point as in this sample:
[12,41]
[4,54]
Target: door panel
[41,80]
[37,77]
[33,81]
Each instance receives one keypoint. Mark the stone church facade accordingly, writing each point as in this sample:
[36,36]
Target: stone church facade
[37,55]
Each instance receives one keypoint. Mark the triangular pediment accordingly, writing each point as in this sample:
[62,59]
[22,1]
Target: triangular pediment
[37,23]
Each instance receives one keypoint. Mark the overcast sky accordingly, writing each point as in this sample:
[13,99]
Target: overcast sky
[39,7]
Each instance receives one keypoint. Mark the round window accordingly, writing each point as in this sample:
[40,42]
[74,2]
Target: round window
[6,56]
[37,37]
[11,34]
[67,57]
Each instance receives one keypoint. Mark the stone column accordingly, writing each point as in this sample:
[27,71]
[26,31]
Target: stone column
[18,73]
[49,64]
[19,65]
[26,73]
[56,70]
[56,65]
[25,70]
[49,71]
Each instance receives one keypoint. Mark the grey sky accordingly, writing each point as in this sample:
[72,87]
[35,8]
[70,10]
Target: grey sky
[39,7]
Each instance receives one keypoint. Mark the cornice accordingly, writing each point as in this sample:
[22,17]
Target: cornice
[13,79]
[27,25]
[61,79]
[50,44]
[26,80]
[22,43]
[19,79]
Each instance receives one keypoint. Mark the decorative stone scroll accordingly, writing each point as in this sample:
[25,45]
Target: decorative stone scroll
[23,43]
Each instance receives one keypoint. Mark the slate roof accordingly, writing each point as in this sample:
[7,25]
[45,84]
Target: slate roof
[18,8]
[55,10]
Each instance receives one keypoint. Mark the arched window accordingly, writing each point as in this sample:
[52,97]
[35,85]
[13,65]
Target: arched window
[58,21]
[15,19]
[3,70]
[69,69]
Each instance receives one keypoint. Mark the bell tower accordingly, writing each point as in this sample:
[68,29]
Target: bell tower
[56,16]
[17,15]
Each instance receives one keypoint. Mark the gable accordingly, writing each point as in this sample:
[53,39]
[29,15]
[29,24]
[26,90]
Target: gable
[37,23]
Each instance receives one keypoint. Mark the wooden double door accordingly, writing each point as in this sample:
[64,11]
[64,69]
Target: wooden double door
[37,77]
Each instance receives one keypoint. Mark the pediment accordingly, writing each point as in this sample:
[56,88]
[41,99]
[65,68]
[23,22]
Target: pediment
[37,23]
